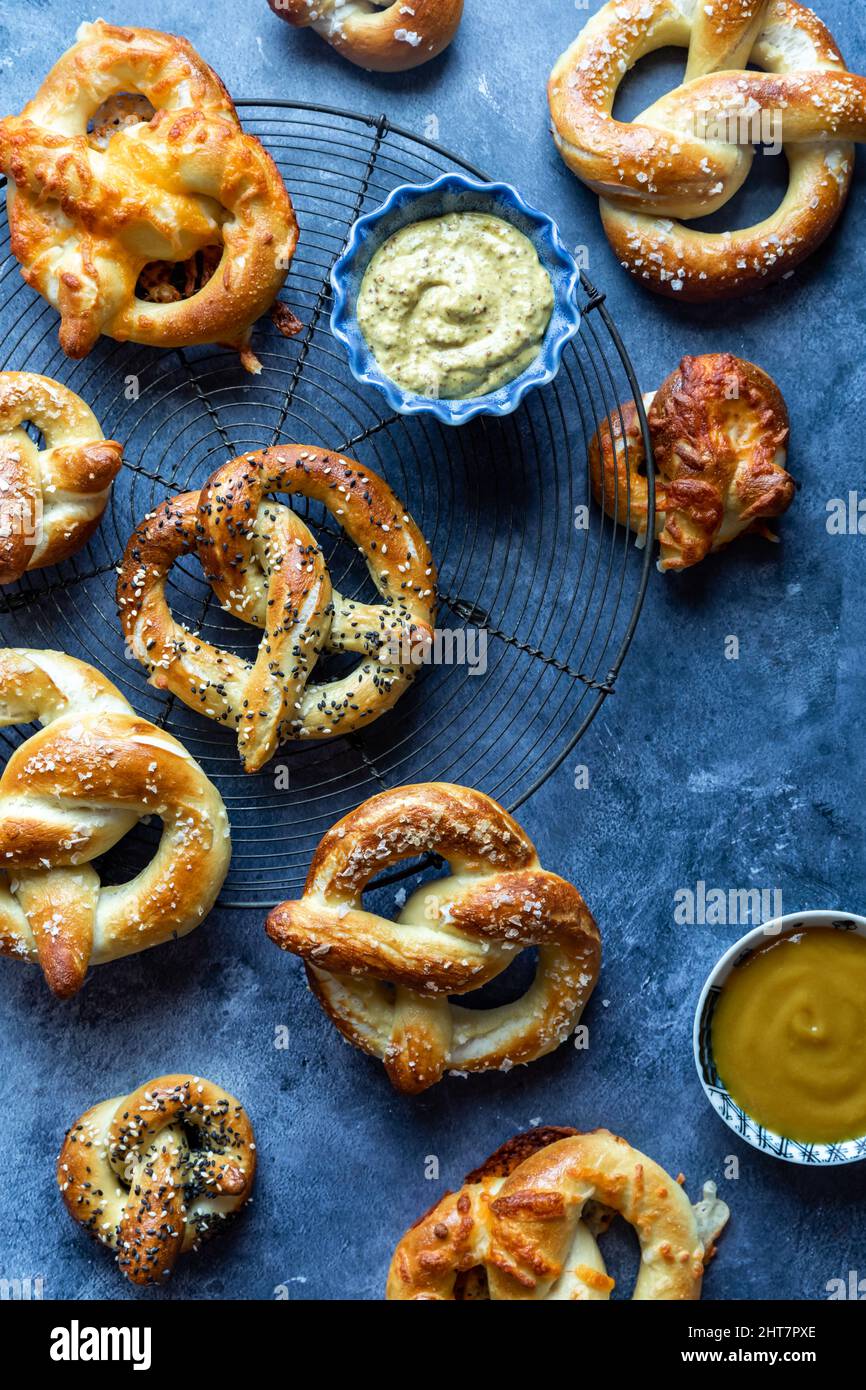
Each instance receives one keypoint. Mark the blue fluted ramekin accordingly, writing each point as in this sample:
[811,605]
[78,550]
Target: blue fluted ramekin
[415,203]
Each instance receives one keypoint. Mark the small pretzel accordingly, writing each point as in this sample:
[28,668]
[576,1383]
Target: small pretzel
[266,568]
[68,794]
[689,153]
[85,221]
[386,984]
[524,1224]
[130,1174]
[382,35]
[719,428]
[51,499]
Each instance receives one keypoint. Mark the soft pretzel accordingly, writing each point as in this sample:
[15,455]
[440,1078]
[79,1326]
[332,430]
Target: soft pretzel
[689,153]
[523,1226]
[130,1173]
[68,794]
[51,499]
[386,984]
[383,35]
[719,429]
[265,567]
[86,221]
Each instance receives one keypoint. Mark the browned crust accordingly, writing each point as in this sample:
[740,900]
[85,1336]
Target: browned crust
[518,1233]
[135,1145]
[719,425]
[371,40]
[149,176]
[293,603]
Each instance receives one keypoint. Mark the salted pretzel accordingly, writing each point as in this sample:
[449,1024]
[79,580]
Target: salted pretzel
[88,218]
[524,1226]
[383,35]
[266,568]
[68,794]
[154,1174]
[51,499]
[719,430]
[386,985]
[689,153]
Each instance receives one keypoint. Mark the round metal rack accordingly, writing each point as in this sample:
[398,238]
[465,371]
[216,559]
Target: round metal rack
[527,561]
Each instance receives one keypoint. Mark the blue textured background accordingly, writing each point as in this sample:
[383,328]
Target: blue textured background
[739,773]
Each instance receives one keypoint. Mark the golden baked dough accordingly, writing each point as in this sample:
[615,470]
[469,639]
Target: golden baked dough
[689,153]
[523,1226]
[71,792]
[265,567]
[719,430]
[51,499]
[131,1176]
[386,984]
[89,219]
[382,35]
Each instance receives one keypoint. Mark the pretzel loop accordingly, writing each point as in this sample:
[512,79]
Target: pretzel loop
[129,1173]
[71,792]
[689,153]
[523,1226]
[386,984]
[266,568]
[86,219]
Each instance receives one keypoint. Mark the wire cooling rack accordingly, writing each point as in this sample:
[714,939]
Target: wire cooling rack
[523,552]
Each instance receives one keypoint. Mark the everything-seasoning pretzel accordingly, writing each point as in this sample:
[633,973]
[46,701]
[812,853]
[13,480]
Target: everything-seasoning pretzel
[129,1174]
[51,499]
[523,1226]
[267,569]
[68,794]
[719,429]
[386,985]
[90,219]
[383,35]
[689,153]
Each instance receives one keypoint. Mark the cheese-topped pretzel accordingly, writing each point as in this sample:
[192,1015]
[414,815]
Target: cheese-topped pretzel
[386,984]
[266,568]
[51,499]
[154,1174]
[689,153]
[383,35]
[85,220]
[719,429]
[68,794]
[523,1226]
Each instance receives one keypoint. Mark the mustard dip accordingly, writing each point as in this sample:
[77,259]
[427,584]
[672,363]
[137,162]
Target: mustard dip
[789,1036]
[455,306]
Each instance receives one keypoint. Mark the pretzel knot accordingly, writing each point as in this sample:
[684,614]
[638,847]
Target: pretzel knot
[71,792]
[154,1174]
[524,1224]
[689,153]
[719,429]
[51,499]
[86,221]
[266,569]
[386,984]
[382,35]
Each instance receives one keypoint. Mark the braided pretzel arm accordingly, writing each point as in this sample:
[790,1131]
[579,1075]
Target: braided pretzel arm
[266,569]
[71,792]
[720,430]
[64,487]
[86,221]
[129,1175]
[382,35]
[689,153]
[523,1222]
[386,984]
